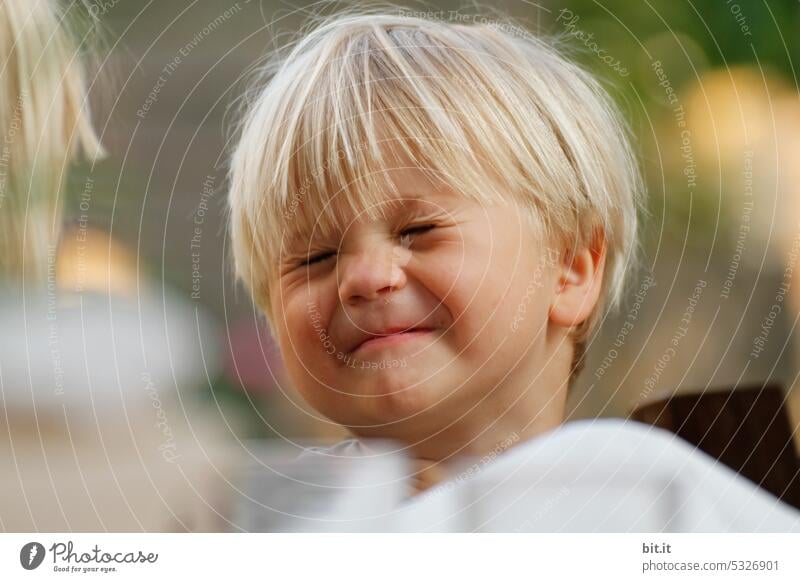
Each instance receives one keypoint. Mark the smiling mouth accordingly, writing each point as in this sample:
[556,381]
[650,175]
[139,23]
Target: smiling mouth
[391,339]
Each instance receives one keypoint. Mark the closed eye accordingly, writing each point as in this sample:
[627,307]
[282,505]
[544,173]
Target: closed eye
[321,257]
[317,258]
[420,229]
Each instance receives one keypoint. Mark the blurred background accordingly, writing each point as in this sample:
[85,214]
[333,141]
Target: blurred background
[711,95]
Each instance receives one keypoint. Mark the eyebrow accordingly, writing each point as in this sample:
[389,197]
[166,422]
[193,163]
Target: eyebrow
[432,198]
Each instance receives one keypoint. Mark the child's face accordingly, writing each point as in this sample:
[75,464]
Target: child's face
[426,310]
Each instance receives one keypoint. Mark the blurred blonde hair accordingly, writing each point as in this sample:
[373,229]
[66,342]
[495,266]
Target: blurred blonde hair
[44,121]
[496,112]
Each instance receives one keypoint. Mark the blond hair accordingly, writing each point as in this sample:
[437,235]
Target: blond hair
[498,113]
[44,120]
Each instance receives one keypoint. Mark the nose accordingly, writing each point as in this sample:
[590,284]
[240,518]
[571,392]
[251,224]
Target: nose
[374,271]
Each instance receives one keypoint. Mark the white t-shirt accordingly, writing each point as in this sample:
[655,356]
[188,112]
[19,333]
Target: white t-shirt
[601,475]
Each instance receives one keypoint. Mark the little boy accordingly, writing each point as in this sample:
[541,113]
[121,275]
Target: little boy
[432,216]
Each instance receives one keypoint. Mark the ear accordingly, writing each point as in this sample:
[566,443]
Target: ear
[579,284]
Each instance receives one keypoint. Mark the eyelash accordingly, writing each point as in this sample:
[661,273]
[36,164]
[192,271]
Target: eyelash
[317,258]
[419,229]
[324,256]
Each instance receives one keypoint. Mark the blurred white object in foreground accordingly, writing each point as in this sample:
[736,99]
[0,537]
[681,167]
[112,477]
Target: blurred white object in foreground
[321,491]
[587,476]
[102,428]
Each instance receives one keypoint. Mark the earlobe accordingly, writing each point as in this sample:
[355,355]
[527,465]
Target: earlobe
[578,286]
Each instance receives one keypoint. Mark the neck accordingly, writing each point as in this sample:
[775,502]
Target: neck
[435,458]
[493,429]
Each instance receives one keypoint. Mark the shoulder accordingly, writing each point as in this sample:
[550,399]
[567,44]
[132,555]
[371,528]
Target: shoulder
[617,475]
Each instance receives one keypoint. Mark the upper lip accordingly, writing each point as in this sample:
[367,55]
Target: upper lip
[369,335]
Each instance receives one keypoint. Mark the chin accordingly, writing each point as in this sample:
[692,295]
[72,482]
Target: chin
[370,393]
[398,399]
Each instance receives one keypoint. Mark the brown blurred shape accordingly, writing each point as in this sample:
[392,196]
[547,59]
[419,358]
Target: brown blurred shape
[747,429]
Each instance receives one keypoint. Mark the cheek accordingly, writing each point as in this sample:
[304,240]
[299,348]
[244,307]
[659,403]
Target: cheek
[455,283]
[463,283]
[498,297]
[527,307]
[481,284]
[304,313]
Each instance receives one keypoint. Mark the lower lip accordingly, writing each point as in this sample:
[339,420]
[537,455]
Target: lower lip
[391,340]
